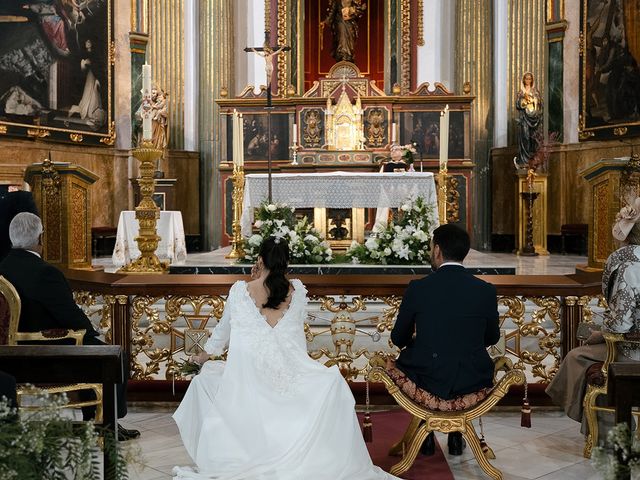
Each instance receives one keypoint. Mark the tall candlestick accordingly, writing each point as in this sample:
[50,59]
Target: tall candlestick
[393,132]
[295,134]
[146,102]
[444,138]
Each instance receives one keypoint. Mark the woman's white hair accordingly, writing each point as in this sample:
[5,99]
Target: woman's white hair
[25,230]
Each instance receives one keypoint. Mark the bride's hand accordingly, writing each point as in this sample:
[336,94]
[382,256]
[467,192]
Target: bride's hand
[200,358]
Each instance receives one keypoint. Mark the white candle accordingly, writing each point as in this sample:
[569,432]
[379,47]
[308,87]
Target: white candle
[393,132]
[295,134]
[146,79]
[146,94]
[241,140]
[444,138]
[236,132]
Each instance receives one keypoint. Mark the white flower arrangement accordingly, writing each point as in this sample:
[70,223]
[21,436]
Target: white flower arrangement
[405,240]
[306,245]
[619,457]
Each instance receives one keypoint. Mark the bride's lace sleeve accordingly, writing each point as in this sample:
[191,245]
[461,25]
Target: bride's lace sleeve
[219,339]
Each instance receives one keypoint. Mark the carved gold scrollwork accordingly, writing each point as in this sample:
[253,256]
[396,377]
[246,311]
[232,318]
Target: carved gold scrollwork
[544,327]
[192,338]
[76,137]
[38,132]
[110,139]
[620,131]
[405,46]
[3,129]
[282,40]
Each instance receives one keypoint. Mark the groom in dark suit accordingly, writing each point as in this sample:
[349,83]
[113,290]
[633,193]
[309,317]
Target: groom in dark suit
[445,323]
[47,300]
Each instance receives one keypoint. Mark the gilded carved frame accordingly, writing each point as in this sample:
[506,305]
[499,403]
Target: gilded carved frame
[105,135]
[291,12]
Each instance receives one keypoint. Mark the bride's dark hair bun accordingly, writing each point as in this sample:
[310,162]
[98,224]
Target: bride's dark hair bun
[275,256]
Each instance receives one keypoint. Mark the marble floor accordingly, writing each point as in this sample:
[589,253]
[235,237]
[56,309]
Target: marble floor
[550,450]
[555,264]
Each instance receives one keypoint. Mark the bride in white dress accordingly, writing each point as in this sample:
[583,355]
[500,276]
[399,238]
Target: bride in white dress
[269,412]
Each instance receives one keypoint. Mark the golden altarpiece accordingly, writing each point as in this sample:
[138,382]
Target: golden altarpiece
[344,122]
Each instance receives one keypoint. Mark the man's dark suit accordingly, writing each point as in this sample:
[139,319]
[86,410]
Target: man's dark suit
[11,204]
[455,317]
[47,302]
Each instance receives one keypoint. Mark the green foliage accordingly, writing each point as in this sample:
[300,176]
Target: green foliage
[406,239]
[42,444]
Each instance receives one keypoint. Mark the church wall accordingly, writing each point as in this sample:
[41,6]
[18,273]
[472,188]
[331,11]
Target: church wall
[569,195]
[571,72]
[435,61]
[109,193]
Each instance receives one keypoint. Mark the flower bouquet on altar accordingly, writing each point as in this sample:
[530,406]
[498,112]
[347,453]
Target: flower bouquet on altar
[306,244]
[406,240]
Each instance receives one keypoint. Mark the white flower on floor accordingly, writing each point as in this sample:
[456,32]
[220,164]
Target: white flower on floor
[258,223]
[371,243]
[271,207]
[311,239]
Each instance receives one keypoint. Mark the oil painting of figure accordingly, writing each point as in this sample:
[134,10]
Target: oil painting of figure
[54,63]
[611,78]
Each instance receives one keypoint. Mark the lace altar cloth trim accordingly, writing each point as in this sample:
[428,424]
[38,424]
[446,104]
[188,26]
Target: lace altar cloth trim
[337,190]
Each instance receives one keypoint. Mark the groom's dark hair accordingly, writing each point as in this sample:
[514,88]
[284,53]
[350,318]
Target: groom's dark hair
[453,241]
[274,252]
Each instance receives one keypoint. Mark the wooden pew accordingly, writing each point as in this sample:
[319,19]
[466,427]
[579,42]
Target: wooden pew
[623,389]
[71,364]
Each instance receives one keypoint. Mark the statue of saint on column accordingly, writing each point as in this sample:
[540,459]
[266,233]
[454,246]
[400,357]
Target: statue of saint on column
[529,107]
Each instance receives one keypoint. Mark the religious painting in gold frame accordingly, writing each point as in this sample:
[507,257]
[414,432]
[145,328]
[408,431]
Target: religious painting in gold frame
[401,36]
[56,70]
[609,69]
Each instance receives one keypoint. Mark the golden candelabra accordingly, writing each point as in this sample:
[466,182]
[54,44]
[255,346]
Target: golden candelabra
[237,197]
[442,196]
[147,214]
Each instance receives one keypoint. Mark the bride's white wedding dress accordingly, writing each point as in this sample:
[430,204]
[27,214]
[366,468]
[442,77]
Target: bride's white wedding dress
[270,412]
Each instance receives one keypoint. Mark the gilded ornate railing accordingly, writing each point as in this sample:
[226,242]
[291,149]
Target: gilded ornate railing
[159,320]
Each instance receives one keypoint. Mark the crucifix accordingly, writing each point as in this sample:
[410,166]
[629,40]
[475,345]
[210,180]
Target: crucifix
[268,53]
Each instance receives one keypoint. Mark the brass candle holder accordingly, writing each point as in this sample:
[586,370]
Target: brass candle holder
[443,179]
[147,214]
[237,197]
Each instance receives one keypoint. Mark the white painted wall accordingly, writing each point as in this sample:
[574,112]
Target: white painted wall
[249,32]
[191,68]
[436,59]
[500,70]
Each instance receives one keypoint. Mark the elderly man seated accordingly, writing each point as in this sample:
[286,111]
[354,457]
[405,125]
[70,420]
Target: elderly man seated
[47,300]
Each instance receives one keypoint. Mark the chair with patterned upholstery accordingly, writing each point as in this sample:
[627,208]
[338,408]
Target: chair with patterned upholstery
[597,385]
[10,307]
[433,414]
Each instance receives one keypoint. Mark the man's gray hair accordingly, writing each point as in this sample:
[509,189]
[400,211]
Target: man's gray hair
[25,230]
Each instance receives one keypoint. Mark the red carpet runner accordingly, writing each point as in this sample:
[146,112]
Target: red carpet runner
[388,428]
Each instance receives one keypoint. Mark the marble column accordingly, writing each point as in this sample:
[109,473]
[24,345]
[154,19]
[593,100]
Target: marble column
[191,80]
[216,72]
[474,64]
[249,32]
[165,54]
[571,73]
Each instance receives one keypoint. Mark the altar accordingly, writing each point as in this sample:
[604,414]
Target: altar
[338,190]
[344,122]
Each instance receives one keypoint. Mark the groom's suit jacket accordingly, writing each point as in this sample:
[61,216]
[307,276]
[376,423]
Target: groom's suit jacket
[454,316]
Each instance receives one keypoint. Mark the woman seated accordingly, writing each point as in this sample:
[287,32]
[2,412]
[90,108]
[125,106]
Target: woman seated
[270,412]
[621,288]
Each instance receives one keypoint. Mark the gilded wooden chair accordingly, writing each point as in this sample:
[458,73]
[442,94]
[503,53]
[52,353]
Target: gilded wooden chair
[10,307]
[426,420]
[597,385]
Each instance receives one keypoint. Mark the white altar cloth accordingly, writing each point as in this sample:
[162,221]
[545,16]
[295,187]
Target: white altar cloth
[337,190]
[172,244]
